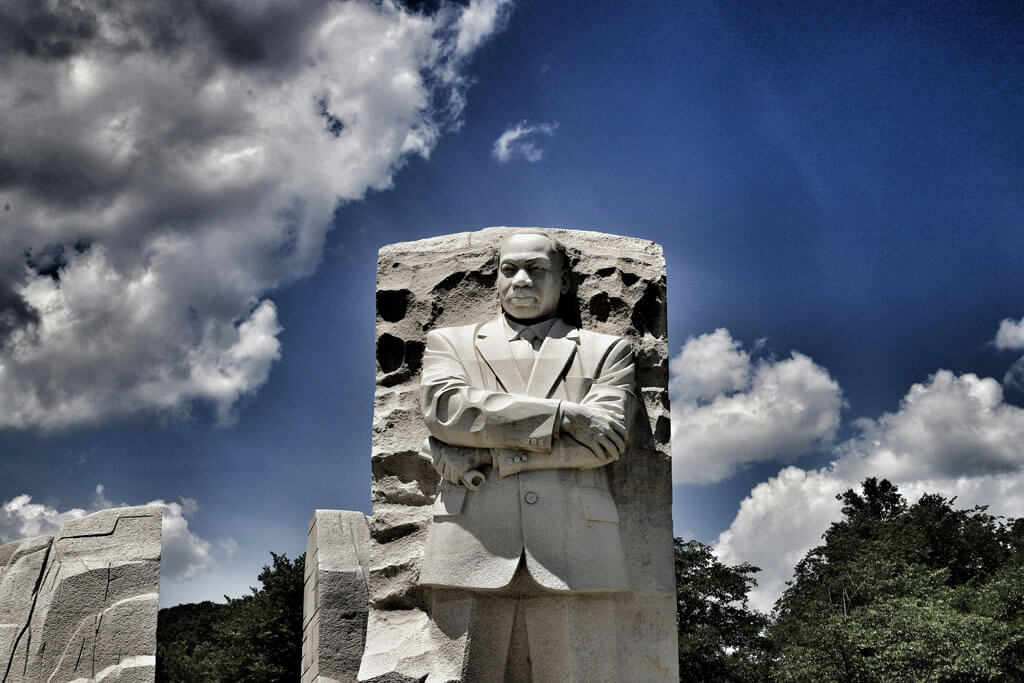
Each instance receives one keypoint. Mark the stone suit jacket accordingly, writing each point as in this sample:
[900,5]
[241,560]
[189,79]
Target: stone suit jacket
[545,496]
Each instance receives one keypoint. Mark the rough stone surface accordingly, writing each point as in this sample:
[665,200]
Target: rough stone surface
[335,596]
[82,605]
[450,280]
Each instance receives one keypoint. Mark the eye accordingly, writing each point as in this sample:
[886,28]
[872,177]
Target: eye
[508,270]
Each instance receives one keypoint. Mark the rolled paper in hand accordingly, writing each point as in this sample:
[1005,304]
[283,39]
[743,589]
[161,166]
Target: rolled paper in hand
[473,479]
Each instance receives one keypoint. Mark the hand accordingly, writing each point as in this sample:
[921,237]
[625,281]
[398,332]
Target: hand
[594,428]
[453,463]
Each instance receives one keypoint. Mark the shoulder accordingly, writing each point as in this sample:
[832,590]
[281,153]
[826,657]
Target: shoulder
[605,347]
[602,340]
[456,332]
[451,336]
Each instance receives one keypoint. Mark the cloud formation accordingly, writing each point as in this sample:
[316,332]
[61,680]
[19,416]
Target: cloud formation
[952,434]
[21,518]
[1010,334]
[183,553]
[520,142]
[165,165]
[729,410]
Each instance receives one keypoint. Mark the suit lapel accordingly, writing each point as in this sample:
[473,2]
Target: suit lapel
[555,354]
[494,349]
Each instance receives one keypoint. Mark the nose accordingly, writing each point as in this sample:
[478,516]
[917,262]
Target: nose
[521,279]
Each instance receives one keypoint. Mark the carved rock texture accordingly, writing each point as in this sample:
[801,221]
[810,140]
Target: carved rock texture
[335,596]
[82,605]
[619,289]
[450,280]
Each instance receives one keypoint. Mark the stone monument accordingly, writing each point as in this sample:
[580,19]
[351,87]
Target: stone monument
[521,474]
[82,605]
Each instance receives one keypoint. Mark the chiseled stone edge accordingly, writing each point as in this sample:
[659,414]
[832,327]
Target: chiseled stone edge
[102,523]
[335,596]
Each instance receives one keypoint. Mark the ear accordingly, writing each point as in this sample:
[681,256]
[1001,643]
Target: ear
[565,281]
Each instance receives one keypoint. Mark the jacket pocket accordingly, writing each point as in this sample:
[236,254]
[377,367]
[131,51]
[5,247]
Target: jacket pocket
[449,501]
[598,505]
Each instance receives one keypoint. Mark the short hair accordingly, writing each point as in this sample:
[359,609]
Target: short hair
[556,246]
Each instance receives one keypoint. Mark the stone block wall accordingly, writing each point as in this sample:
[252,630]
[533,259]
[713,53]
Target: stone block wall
[335,596]
[82,605]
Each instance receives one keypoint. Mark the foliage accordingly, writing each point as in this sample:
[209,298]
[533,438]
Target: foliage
[253,639]
[720,639]
[896,592]
[922,592]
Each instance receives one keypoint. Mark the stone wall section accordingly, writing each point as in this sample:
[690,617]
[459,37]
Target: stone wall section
[82,605]
[619,289]
[335,596]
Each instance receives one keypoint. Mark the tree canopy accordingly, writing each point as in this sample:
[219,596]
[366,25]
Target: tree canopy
[896,592]
[720,638]
[253,639]
[924,592]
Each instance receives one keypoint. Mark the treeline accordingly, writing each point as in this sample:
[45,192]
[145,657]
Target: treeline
[253,639]
[896,592]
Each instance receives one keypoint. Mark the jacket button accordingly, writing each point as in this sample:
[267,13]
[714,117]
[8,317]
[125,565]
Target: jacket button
[530,497]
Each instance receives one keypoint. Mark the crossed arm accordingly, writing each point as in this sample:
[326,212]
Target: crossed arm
[472,426]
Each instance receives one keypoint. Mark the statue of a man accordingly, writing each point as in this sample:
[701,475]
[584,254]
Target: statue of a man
[526,411]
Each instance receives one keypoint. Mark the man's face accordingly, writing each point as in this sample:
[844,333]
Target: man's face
[531,277]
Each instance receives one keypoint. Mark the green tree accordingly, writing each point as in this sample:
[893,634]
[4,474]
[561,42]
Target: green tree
[720,637]
[923,592]
[183,646]
[253,639]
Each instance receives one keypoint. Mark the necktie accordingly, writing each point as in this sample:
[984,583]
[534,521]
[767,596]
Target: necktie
[524,351]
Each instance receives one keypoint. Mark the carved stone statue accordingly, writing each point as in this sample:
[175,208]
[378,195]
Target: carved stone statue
[521,471]
[525,411]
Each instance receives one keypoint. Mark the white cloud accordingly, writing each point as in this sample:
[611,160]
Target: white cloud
[728,410]
[166,166]
[228,546]
[777,523]
[953,435]
[1010,334]
[478,21]
[708,365]
[21,518]
[1014,377]
[518,142]
[183,553]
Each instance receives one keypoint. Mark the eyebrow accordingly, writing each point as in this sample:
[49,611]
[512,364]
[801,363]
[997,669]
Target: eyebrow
[531,260]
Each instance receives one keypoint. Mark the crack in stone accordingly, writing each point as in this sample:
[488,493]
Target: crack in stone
[28,620]
[96,636]
[106,533]
[28,648]
[48,581]
[79,660]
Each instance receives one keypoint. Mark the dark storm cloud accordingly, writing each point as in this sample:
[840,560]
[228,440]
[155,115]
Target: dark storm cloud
[44,30]
[166,164]
[15,313]
[239,33]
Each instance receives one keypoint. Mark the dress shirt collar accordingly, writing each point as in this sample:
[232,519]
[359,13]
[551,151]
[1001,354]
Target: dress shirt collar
[514,330]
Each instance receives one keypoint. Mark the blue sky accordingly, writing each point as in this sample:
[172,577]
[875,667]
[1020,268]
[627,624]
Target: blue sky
[186,320]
